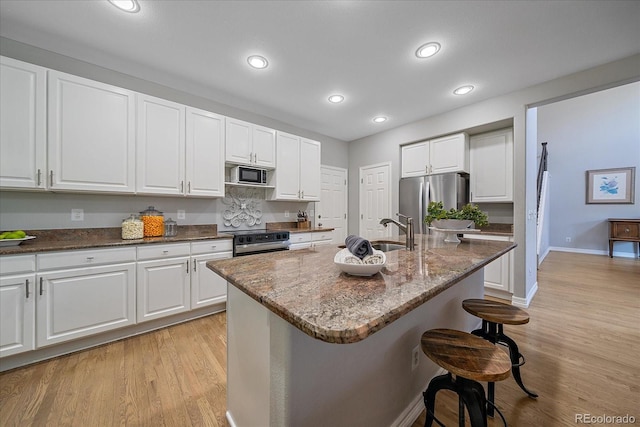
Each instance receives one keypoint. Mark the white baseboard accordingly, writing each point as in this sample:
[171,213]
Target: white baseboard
[415,408]
[592,252]
[524,302]
[543,256]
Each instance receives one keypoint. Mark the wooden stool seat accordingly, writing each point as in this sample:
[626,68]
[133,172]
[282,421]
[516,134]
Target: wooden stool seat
[496,312]
[470,359]
[466,355]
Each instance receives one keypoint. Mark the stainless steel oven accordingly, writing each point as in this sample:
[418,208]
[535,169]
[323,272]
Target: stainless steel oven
[250,242]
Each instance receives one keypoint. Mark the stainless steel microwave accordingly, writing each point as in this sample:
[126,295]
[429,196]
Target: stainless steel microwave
[246,175]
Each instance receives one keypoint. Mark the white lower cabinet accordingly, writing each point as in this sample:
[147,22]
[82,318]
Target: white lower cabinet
[77,302]
[207,287]
[321,238]
[299,241]
[498,274]
[163,280]
[17,304]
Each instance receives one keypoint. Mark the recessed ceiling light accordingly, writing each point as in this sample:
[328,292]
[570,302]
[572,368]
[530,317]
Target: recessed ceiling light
[427,50]
[463,90]
[257,61]
[336,99]
[379,119]
[131,6]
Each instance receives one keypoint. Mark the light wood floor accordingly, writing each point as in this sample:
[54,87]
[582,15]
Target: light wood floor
[582,348]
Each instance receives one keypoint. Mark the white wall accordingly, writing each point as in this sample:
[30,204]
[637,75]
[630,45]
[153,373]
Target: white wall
[52,210]
[595,131]
[385,146]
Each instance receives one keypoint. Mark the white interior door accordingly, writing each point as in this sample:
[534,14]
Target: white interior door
[332,208]
[375,200]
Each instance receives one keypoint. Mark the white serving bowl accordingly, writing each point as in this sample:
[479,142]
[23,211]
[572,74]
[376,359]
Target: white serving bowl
[359,269]
[453,224]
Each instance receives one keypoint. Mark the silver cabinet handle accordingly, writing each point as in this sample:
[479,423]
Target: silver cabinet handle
[26,285]
[302,194]
[51,177]
[89,258]
[181,186]
[41,286]
[187,266]
[189,187]
[165,252]
[39,177]
[195,265]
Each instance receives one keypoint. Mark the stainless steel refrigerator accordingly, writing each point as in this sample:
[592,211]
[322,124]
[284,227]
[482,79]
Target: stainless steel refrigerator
[452,189]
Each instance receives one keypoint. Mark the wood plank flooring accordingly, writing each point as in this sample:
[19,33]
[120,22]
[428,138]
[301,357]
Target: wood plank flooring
[582,348]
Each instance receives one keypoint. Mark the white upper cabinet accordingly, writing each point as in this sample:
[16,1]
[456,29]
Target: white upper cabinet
[441,155]
[160,145]
[205,154]
[491,177]
[91,143]
[23,125]
[298,174]
[250,144]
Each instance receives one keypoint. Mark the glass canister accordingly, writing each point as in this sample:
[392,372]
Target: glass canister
[153,222]
[132,228]
[170,228]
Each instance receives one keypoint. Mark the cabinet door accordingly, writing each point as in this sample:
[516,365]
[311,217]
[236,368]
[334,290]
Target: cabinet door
[163,288]
[264,147]
[160,146]
[23,129]
[449,154]
[238,144]
[91,135]
[205,153]
[80,302]
[288,173]
[17,314]
[415,159]
[309,170]
[491,167]
[207,287]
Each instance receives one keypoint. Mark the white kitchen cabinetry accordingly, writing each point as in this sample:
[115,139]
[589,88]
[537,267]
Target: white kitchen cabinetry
[321,238]
[498,274]
[491,175]
[91,135]
[205,154]
[87,292]
[250,144]
[207,287]
[300,241]
[441,155]
[23,129]
[160,146]
[163,280]
[17,304]
[298,174]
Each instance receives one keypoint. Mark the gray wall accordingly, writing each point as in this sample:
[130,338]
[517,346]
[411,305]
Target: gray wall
[596,131]
[385,146]
[33,210]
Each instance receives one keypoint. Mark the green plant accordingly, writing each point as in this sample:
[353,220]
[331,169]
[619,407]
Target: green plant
[436,211]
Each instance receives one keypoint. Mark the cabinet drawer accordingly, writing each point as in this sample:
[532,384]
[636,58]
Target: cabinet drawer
[626,230]
[211,246]
[67,259]
[163,251]
[17,264]
[300,237]
[324,235]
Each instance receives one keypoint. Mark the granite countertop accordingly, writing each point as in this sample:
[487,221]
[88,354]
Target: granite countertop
[87,238]
[292,227]
[308,290]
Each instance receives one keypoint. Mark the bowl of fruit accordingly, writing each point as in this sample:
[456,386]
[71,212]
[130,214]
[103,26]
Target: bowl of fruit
[13,238]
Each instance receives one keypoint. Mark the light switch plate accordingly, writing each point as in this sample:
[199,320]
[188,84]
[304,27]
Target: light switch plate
[77,214]
[181,214]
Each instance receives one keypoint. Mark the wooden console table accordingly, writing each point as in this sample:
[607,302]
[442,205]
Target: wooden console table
[623,230]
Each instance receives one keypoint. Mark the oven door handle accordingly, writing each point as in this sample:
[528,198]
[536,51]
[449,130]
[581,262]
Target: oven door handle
[260,247]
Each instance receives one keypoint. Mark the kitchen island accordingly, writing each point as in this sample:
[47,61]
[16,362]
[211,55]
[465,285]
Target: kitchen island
[309,345]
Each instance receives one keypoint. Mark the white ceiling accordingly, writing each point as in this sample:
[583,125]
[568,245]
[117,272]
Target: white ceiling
[361,49]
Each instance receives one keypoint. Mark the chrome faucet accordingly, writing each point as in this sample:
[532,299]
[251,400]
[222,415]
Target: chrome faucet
[408,229]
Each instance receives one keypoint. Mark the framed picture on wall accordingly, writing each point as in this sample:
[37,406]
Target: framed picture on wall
[611,185]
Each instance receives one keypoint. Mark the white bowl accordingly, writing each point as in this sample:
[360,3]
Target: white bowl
[14,242]
[359,269]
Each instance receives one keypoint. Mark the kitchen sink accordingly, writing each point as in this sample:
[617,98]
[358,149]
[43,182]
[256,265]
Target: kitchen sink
[386,246]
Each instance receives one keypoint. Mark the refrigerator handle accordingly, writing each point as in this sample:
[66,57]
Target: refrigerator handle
[424,187]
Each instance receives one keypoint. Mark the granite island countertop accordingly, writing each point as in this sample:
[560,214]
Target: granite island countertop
[308,290]
[88,238]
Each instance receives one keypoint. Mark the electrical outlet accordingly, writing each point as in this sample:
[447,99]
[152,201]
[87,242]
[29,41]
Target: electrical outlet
[415,358]
[286,214]
[567,239]
[77,214]
[181,214]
